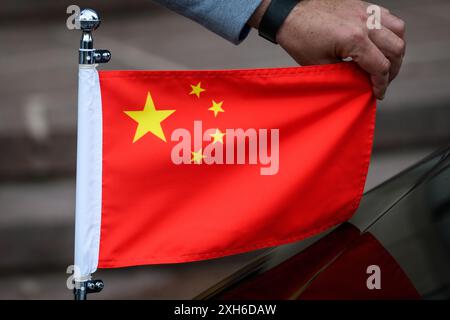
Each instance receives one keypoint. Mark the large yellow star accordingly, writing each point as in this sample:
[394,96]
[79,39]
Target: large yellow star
[197,157]
[149,120]
[218,136]
[197,89]
[216,107]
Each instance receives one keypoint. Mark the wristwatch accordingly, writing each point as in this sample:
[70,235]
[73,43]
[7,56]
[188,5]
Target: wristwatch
[274,17]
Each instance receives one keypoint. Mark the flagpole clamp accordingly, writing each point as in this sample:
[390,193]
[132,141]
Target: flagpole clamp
[90,21]
[83,288]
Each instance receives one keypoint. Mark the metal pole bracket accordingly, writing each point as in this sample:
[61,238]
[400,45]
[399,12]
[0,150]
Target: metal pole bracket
[90,21]
[83,288]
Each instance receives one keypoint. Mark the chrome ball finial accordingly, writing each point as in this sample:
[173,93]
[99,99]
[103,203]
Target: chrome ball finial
[88,55]
[89,20]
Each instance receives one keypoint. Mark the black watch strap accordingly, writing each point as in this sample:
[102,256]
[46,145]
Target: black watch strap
[274,17]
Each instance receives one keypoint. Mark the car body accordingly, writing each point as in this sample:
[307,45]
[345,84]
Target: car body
[402,227]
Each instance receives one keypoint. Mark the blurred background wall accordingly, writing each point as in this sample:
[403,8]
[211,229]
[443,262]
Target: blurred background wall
[38,96]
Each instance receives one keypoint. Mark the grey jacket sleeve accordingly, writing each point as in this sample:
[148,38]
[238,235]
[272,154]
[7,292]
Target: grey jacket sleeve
[227,18]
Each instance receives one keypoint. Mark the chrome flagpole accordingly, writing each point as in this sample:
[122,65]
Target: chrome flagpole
[84,240]
[89,21]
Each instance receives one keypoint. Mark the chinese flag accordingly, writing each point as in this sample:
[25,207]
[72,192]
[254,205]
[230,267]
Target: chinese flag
[202,164]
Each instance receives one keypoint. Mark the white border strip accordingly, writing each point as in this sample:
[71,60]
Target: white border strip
[88,201]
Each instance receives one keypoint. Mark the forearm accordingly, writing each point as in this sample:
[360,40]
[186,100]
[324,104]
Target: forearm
[227,18]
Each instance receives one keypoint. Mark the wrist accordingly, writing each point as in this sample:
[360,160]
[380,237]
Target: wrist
[287,28]
[255,19]
[274,17]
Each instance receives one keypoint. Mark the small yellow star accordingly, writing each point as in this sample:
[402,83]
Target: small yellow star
[218,136]
[149,120]
[197,157]
[197,89]
[216,107]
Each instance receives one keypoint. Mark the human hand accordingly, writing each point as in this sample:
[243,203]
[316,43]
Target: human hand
[327,31]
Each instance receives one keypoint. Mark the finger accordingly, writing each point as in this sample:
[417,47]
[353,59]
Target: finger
[392,46]
[371,59]
[393,23]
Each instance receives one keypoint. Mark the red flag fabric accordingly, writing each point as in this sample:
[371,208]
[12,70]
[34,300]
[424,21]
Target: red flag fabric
[204,164]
